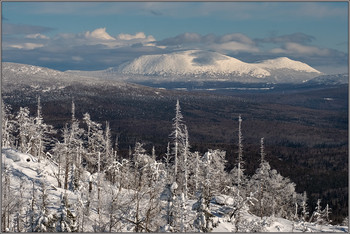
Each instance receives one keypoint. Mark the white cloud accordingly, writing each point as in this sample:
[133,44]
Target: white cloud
[238,37]
[154,45]
[37,36]
[51,59]
[77,58]
[307,50]
[278,51]
[319,10]
[99,33]
[234,46]
[139,35]
[295,48]
[234,42]
[20,29]
[100,36]
[26,46]
[97,49]
[191,37]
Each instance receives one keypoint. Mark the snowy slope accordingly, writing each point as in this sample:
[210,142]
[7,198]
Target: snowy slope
[22,78]
[191,62]
[16,72]
[24,69]
[25,169]
[330,79]
[285,70]
[286,63]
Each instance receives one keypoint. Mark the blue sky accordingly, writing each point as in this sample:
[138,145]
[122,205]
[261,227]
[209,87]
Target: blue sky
[98,35]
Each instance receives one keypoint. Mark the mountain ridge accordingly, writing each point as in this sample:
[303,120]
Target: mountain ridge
[24,72]
[191,65]
[191,62]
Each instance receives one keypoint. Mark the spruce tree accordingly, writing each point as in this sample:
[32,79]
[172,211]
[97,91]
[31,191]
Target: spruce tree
[26,130]
[6,198]
[167,159]
[196,174]
[43,131]
[32,211]
[66,221]
[20,208]
[95,143]
[185,166]
[75,148]
[171,208]
[203,221]
[204,217]
[178,137]
[45,221]
[8,126]
[276,194]
[240,161]
[108,149]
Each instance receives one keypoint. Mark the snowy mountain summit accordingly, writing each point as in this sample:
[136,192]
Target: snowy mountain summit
[191,62]
[189,65]
[215,66]
[28,70]
[286,63]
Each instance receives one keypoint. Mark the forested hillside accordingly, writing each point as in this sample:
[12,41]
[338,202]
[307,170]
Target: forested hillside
[80,182]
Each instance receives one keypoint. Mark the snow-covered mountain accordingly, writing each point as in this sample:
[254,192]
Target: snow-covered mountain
[189,65]
[204,65]
[191,62]
[330,79]
[16,72]
[286,63]
[24,69]
[22,84]
[16,76]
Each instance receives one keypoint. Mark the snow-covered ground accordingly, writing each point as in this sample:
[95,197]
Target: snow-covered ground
[25,171]
[25,168]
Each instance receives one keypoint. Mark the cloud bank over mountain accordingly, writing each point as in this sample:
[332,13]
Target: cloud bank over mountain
[92,36]
[98,49]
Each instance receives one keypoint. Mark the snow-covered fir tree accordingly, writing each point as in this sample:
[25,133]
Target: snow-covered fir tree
[26,130]
[32,211]
[95,142]
[320,216]
[178,137]
[45,221]
[204,218]
[194,175]
[108,148]
[6,199]
[19,217]
[240,162]
[66,221]
[8,126]
[43,131]
[170,212]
